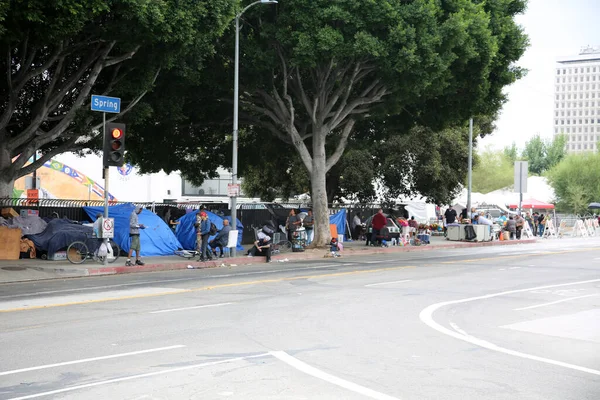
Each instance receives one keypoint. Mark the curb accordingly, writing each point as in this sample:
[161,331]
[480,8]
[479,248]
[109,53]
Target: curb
[309,255]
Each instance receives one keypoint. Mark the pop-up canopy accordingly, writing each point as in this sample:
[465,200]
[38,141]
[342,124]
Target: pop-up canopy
[533,204]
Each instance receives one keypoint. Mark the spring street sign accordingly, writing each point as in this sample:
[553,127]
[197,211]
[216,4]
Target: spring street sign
[106,104]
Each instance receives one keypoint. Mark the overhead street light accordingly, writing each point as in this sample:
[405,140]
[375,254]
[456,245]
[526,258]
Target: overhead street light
[236,88]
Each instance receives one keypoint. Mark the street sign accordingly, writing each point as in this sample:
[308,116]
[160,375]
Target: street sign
[521,172]
[233,189]
[108,228]
[106,104]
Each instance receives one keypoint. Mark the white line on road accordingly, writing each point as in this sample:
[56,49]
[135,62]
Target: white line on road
[317,373]
[555,302]
[84,360]
[190,308]
[375,262]
[426,317]
[458,329]
[514,267]
[388,283]
[128,378]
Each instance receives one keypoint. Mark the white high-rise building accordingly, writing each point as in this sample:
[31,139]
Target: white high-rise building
[577,100]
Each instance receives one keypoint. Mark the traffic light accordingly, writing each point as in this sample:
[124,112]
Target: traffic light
[114,145]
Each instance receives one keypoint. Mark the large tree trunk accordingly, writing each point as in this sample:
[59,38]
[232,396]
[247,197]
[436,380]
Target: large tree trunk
[319,191]
[7,181]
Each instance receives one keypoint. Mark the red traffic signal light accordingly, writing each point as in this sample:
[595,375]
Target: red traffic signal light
[114,145]
[116,133]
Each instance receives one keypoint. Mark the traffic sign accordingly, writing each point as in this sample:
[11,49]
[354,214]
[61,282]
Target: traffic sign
[108,228]
[233,189]
[106,104]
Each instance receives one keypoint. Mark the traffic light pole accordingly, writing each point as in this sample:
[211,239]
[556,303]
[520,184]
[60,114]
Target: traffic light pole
[105,174]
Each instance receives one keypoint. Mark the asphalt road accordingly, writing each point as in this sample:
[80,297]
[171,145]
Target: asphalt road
[518,322]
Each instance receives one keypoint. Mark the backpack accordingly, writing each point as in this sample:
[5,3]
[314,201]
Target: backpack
[470,233]
[213,229]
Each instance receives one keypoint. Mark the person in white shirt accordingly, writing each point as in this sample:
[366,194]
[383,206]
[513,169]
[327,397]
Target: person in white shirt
[481,220]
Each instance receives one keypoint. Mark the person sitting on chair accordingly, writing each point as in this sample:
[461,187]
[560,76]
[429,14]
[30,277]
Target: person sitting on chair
[221,239]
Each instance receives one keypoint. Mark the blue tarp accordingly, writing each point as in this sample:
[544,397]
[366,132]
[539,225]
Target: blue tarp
[339,219]
[156,240]
[186,232]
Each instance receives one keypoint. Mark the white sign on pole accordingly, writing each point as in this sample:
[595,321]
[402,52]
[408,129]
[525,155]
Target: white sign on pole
[107,230]
[521,172]
[233,189]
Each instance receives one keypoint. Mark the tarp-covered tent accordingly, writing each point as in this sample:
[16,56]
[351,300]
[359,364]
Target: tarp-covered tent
[533,204]
[59,234]
[186,232]
[339,219]
[156,240]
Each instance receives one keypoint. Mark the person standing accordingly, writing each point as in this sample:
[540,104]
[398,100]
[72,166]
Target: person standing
[198,234]
[204,235]
[520,224]
[511,227]
[309,224]
[529,221]
[541,225]
[221,239]
[378,223]
[292,224]
[356,226]
[134,235]
[413,224]
[536,220]
[449,217]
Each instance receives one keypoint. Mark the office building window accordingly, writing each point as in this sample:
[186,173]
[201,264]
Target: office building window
[588,69]
[578,147]
[575,70]
[558,72]
[585,146]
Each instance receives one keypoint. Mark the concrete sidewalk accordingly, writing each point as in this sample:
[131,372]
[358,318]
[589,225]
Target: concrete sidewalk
[36,269]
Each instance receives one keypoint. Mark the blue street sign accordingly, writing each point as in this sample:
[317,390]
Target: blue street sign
[106,104]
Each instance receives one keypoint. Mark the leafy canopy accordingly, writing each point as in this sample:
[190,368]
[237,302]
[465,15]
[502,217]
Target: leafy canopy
[576,181]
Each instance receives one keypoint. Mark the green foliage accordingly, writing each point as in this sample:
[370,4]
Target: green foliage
[576,181]
[59,52]
[542,155]
[511,153]
[494,170]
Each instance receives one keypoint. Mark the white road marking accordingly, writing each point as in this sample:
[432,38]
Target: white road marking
[514,267]
[348,264]
[374,262]
[307,369]
[190,308]
[458,329]
[555,302]
[131,377]
[426,317]
[84,360]
[84,297]
[388,283]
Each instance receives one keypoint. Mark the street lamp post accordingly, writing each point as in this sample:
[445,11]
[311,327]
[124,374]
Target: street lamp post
[236,89]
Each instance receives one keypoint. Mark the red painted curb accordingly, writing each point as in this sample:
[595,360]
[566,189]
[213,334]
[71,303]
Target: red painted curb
[308,255]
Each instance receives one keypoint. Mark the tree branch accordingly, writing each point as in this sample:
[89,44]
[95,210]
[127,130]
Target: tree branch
[341,146]
[116,60]
[68,145]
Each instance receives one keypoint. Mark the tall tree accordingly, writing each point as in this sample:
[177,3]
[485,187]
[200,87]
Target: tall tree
[57,53]
[576,181]
[494,170]
[542,155]
[319,66]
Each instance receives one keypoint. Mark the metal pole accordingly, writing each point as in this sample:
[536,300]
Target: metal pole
[105,241]
[234,162]
[470,179]
[520,187]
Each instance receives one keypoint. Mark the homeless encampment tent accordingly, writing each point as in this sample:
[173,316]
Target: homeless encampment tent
[59,234]
[186,232]
[156,240]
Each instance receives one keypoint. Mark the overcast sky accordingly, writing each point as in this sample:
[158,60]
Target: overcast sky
[556,28]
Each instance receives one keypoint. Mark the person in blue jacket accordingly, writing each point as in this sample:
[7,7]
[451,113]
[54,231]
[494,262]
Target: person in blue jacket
[221,239]
[204,233]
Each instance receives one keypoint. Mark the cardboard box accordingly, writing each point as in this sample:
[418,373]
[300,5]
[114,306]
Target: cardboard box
[9,213]
[30,213]
[10,243]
